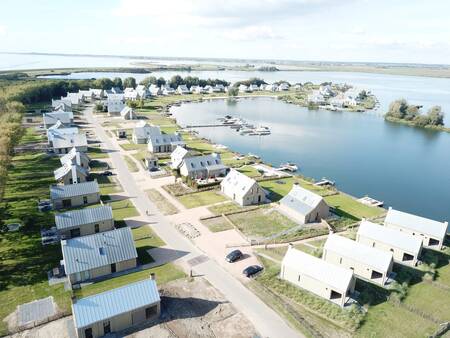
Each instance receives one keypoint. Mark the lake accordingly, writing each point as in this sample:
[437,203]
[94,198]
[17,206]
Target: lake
[408,168]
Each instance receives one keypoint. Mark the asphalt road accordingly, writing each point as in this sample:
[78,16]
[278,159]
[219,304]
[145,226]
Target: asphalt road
[266,321]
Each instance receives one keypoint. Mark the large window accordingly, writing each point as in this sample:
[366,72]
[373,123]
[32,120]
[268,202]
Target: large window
[88,333]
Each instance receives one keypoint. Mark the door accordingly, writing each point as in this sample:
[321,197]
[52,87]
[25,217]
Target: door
[97,228]
[85,200]
[106,327]
[113,267]
[67,203]
[88,333]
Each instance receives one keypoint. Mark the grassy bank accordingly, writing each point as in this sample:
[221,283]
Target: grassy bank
[415,125]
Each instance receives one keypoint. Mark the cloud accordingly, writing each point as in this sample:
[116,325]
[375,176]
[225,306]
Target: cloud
[219,12]
[251,33]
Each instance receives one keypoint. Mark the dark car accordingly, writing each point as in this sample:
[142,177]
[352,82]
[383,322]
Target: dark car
[233,256]
[107,173]
[252,270]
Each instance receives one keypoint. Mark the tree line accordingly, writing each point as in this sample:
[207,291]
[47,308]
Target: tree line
[177,80]
[402,110]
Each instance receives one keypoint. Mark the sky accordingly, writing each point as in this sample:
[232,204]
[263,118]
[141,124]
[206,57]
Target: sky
[415,31]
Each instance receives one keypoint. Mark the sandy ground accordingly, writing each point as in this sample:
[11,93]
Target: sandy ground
[189,308]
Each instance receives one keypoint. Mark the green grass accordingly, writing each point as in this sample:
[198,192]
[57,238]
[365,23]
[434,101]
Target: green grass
[144,240]
[250,171]
[96,153]
[225,208]
[199,199]
[347,206]
[32,136]
[133,146]
[97,165]
[24,261]
[108,184]
[123,209]
[161,202]
[164,273]
[201,146]
[217,224]
[281,187]
[132,166]
[261,222]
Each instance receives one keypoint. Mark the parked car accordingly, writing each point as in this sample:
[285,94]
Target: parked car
[106,173]
[252,270]
[233,256]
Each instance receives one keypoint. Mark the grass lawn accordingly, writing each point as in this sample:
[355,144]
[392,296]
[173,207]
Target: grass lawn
[24,261]
[108,184]
[201,146]
[161,202]
[133,146]
[261,222]
[225,208]
[32,136]
[97,165]
[250,171]
[169,130]
[132,166]
[145,239]
[123,209]
[96,153]
[281,187]
[199,199]
[164,273]
[217,224]
[348,207]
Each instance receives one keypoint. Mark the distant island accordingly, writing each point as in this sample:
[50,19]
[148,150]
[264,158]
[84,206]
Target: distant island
[400,111]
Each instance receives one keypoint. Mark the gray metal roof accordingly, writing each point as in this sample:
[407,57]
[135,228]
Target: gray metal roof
[93,251]
[390,236]
[301,200]
[111,303]
[79,189]
[75,218]
[69,140]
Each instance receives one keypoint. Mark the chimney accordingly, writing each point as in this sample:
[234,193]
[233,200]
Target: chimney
[291,246]
[152,276]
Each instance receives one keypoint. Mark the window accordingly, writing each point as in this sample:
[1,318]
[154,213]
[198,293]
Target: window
[88,333]
[106,327]
[340,260]
[373,245]
[97,228]
[75,233]
[151,311]
[298,278]
[85,200]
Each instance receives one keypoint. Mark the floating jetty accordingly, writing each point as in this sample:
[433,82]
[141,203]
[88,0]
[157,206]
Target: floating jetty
[325,182]
[292,167]
[370,201]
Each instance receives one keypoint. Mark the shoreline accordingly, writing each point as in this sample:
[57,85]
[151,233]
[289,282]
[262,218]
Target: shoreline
[411,124]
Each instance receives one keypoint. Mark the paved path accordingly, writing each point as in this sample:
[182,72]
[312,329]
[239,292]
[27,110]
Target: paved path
[266,321]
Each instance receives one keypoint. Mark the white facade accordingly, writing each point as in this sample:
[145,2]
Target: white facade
[242,189]
[177,157]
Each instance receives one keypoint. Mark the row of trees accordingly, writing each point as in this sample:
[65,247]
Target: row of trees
[402,110]
[177,80]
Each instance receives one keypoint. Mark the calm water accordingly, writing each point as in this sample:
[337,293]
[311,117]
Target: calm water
[407,168]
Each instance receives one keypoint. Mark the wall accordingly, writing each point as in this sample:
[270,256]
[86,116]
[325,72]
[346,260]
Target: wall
[77,201]
[425,237]
[89,229]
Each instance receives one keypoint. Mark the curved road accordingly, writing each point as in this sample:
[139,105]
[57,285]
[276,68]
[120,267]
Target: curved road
[266,321]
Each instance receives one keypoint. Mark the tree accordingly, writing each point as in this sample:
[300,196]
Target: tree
[103,83]
[233,91]
[436,116]
[175,81]
[398,109]
[160,82]
[129,82]
[117,82]
[149,80]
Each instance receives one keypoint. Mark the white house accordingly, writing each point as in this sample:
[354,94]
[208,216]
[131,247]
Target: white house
[86,95]
[52,118]
[203,167]
[70,174]
[304,206]
[198,90]
[405,248]
[164,143]
[58,129]
[183,90]
[244,89]
[74,195]
[65,103]
[155,90]
[168,90]
[283,87]
[431,232]
[366,262]
[326,91]
[127,113]
[97,93]
[142,132]
[75,157]
[253,88]
[115,103]
[142,91]
[62,144]
[316,98]
[242,189]
[131,94]
[317,276]
[177,156]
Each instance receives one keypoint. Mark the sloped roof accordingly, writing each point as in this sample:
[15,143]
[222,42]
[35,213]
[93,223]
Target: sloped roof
[69,168]
[177,156]
[377,259]
[126,110]
[392,237]
[74,157]
[194,163]
[301,200]
[69,140]
[71,190]
[111,303]
[75,218]
[164,139]
[53,117]
[238,183]
[419,224]
[58,131]
[93,251]
[335,276]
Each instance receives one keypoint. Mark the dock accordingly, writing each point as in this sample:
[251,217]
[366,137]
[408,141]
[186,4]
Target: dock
[208,125]
[325,182]
[370,201]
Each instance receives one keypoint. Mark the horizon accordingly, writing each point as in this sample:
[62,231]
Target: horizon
[400,32]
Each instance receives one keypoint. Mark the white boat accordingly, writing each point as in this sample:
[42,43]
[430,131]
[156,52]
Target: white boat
[261,131]
[245,131]
[289,166]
